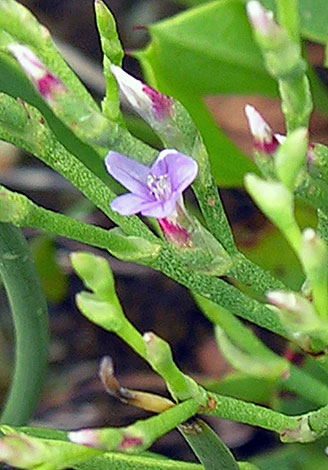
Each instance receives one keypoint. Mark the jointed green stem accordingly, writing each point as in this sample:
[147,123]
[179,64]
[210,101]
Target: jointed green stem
[38,139]
[251,275]
[213,288]
[288,17]
[29,311]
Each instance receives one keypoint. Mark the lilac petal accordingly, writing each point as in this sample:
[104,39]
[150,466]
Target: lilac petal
[160,210]
[130,204]
[181,169]
[131,174]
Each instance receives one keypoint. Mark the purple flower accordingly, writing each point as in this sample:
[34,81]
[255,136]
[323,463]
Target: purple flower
[155,191]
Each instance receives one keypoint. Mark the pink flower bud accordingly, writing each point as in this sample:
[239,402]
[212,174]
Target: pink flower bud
[261,19]
[265,141]
[85,437]
[151,105]
[45,83]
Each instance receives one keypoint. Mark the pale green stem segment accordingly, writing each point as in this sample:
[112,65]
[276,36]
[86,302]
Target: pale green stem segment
[301,428]
[248,413]
[297,380]
[113,53]
[289,18]
[19,22]
[30,318]
[215,289]
[50,450]
[23,126]
[159,356]
[281,50]
[22,212]
[146,432]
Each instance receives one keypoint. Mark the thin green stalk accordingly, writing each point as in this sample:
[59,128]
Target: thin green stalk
[29,312]
[298,380]
[22,212]
[251,275]
[219,292]
[288,18]
[213,212]
[32,134]
[301,428]
[248,413]
[213,288]
[306,386]
[323,225]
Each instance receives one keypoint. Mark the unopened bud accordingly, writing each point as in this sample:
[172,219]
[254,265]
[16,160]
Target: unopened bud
[159,356]
[43,80]
[265,141]
[261,19]
[86,437]
[151,105]
[295,311]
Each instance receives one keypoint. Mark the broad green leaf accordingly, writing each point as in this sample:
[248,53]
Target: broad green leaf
[205,51]
[210,50]
[313,16]
[208,447]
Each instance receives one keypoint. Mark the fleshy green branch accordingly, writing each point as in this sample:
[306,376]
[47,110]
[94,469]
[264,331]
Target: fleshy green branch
[22,212]
[296,379]
[220,292]
[113,53]
[19,22]
[29,311]
[251,275]
[23,126]
[288,18]
[213,288]
[51,447]
[302,428]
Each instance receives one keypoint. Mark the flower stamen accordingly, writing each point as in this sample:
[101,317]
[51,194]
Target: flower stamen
[160,186]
